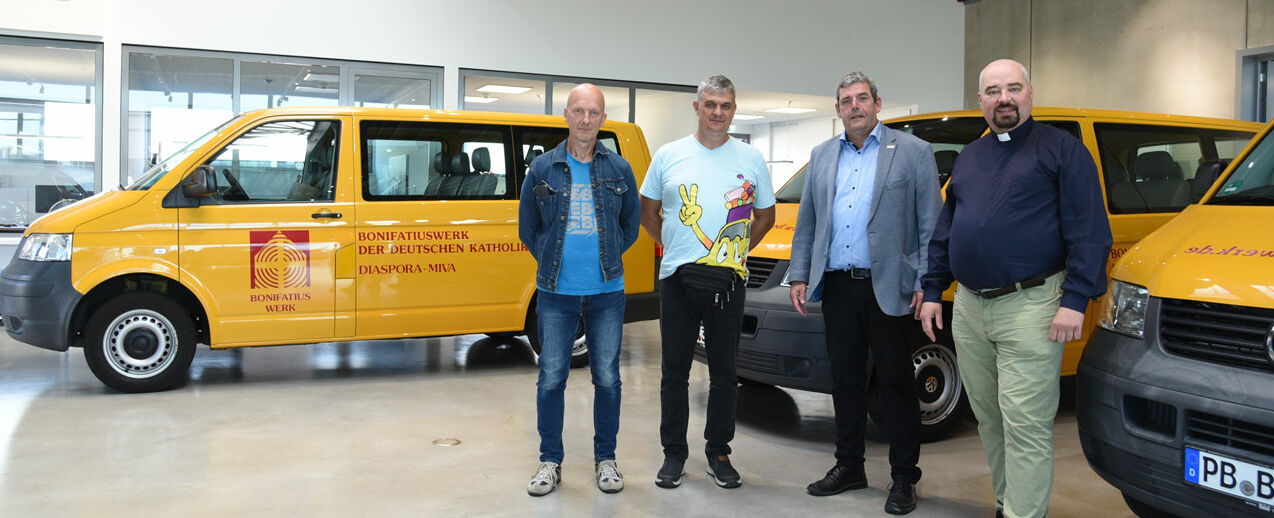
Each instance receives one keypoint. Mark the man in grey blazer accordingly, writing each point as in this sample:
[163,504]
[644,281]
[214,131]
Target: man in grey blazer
[867,211]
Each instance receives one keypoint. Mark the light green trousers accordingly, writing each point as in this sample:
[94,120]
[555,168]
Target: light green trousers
[1010,372]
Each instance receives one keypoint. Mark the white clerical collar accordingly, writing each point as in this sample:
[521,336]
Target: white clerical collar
[1003,137]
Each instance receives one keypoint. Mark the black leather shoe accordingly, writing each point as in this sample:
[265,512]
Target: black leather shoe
[902,498]
[838,480]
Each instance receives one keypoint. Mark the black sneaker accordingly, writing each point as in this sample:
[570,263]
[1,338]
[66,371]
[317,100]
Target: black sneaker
[723,473]
[671,473]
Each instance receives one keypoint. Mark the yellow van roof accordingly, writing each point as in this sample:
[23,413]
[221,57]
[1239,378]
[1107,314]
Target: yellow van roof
[1089,113]
[412,113]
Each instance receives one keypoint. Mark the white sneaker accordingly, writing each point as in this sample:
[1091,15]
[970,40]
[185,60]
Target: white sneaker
[609,480]
[547,477]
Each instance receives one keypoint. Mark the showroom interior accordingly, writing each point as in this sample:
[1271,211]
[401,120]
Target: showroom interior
[94,92]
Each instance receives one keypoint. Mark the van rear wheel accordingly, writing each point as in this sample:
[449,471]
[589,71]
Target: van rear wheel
[140,342]
[579,349]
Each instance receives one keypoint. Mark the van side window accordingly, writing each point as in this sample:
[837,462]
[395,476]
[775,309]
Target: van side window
[435,161]
[533,142]
[283,161]
[1151,169]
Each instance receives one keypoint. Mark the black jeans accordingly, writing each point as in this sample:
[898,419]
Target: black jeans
[679,321]
[855,324]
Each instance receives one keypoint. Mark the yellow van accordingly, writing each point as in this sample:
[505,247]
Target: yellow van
[298,225]
[1174,403]
[1149,166]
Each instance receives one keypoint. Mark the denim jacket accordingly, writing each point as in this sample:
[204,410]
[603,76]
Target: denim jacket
[544,209]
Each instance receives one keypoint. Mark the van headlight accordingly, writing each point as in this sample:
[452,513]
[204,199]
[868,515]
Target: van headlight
[1124,308]
[46,247]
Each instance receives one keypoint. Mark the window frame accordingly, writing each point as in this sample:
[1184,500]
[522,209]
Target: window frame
[218,201]
[365,129]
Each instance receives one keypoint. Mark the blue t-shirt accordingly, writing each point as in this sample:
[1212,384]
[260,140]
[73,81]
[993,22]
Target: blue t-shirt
[581,272]
[707,196]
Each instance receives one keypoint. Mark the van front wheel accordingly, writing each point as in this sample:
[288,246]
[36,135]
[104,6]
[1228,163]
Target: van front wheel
[140,342]
[943,402]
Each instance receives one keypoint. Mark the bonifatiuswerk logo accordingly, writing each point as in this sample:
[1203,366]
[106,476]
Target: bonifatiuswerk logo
[280,258]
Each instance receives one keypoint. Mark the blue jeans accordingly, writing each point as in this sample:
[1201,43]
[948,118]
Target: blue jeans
[559,317]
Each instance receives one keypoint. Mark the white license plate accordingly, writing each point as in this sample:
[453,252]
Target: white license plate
[1234,477]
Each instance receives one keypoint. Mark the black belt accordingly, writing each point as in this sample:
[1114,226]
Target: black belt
[1017,286]
[853,272]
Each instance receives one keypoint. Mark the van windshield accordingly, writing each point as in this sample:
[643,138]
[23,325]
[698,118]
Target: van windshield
[1252,182]
[947,135]
[158,170]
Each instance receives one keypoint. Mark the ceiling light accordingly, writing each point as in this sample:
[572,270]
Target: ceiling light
[310,76]
[503,89]
[480,100]
[742,117]
[789,109]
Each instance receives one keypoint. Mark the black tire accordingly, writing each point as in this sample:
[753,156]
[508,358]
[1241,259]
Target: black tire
[1143,510]
[943,401]
[579,354]
[748,382]
[140,342]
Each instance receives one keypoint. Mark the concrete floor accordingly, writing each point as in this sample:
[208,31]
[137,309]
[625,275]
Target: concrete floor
[351,430]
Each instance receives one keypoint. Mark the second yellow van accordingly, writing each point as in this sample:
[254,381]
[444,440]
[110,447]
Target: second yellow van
[299,225]
[1149,165]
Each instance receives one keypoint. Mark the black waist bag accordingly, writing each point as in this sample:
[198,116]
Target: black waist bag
[707,285]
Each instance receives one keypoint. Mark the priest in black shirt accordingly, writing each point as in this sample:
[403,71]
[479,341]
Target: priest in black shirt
[1024,231]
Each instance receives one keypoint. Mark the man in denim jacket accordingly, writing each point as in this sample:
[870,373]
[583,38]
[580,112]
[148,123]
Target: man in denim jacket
[577,214]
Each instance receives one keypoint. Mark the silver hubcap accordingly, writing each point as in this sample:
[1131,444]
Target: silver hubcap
[580,346]
[938,382]
[140,343]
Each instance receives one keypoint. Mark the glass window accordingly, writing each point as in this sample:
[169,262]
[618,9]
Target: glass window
[265,84]
[533,142]
[279,161]
[435,161]
[48,127]
[1252,183]
[503,94]
[172,100]
[377,91]
[947,135]
[177,95]
[1151,169]
[617,108]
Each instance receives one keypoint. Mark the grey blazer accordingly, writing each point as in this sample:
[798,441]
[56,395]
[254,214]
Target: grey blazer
[904,207]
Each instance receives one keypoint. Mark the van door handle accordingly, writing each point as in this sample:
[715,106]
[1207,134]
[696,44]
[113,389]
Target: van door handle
[334,215]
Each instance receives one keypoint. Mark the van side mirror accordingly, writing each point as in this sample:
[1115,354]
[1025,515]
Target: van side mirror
[201,183]
[1204,177]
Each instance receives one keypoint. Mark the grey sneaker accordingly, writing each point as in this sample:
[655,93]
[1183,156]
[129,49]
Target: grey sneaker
[609,480]
[723,473]
[671,473]
[547,477]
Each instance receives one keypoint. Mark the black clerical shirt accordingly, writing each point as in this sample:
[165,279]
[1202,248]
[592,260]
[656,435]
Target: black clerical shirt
[1018,208]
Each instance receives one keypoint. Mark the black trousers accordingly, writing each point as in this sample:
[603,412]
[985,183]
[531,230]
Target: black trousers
[856,324]
[679,321]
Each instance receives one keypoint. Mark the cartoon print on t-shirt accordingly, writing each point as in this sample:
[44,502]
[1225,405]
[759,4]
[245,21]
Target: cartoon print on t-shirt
[731,244]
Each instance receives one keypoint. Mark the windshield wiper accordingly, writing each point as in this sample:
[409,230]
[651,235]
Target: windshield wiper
[1245,198]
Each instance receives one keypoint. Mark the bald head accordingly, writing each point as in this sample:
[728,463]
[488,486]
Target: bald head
[585,112]
[586,91]
[1002,64]
[1005,95]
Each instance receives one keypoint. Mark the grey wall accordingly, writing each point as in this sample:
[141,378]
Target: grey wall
[1171,56]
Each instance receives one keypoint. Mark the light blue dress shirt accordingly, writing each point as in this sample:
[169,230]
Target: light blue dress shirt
[851,206]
